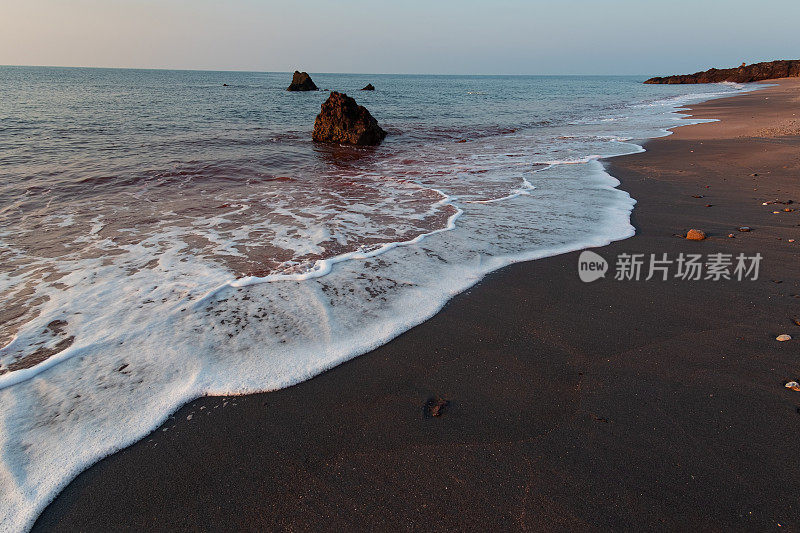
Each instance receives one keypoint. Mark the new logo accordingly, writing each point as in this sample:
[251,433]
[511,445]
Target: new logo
[591,266]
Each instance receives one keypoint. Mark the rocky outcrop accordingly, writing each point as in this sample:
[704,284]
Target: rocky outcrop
[301,81]
[369,87]
[343,121]
[744,74]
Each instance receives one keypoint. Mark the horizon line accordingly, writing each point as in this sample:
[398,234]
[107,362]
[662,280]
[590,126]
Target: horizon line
[168,69]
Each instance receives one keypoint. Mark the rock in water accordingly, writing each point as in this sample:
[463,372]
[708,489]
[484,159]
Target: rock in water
[369,87]
[301,81]
[770,70]
[342,120]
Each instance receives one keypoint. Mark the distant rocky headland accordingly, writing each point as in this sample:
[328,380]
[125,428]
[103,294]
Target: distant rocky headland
[769,70]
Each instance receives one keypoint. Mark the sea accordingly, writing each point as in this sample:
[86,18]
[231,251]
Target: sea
[171,234]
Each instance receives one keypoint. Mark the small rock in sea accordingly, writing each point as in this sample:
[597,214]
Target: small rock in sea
[791,240]
[301,81]
[795,386]
[754,174]
[709,205]
[698,196]
[461,141]
[369,87]
[788,209]
[744,229]
[695,235]
[731,236]
[435,406]
[783,338]
[225,85]
[342,120]
[796,321]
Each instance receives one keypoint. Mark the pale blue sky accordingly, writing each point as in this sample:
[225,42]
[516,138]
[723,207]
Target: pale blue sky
[407,36]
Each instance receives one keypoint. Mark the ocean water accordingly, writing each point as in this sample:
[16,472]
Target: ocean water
[163,236]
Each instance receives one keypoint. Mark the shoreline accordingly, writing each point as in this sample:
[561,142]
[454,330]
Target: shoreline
[357,405]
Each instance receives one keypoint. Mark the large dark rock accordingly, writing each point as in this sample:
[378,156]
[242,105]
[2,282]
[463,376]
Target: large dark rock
[301,81]
[744,74]
[369,87]
[343,121]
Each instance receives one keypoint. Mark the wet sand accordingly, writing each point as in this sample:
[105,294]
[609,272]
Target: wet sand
[615,404]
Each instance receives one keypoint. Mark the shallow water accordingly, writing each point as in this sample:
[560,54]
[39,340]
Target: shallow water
[163,236]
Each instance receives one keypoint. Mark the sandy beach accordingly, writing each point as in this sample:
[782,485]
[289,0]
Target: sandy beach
[615,404]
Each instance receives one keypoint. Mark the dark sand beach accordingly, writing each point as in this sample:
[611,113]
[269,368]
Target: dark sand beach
[615,404]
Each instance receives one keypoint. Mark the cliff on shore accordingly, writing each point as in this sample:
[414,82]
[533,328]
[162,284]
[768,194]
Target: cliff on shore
[744,74]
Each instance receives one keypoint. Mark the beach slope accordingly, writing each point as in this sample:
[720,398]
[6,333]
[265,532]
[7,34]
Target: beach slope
[612,404]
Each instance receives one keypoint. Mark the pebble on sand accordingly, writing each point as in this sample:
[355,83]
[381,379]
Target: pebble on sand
[783,338]
[435,406]
[695,235]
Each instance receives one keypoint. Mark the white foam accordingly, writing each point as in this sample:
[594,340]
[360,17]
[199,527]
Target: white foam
[321,267]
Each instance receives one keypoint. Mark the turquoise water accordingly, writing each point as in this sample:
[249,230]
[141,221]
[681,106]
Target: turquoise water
[164,236]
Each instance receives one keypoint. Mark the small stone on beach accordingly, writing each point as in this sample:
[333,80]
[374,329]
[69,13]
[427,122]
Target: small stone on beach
[695,235]
[435,406]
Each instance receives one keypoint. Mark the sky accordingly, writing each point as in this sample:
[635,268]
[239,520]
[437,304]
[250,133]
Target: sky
[409,36]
